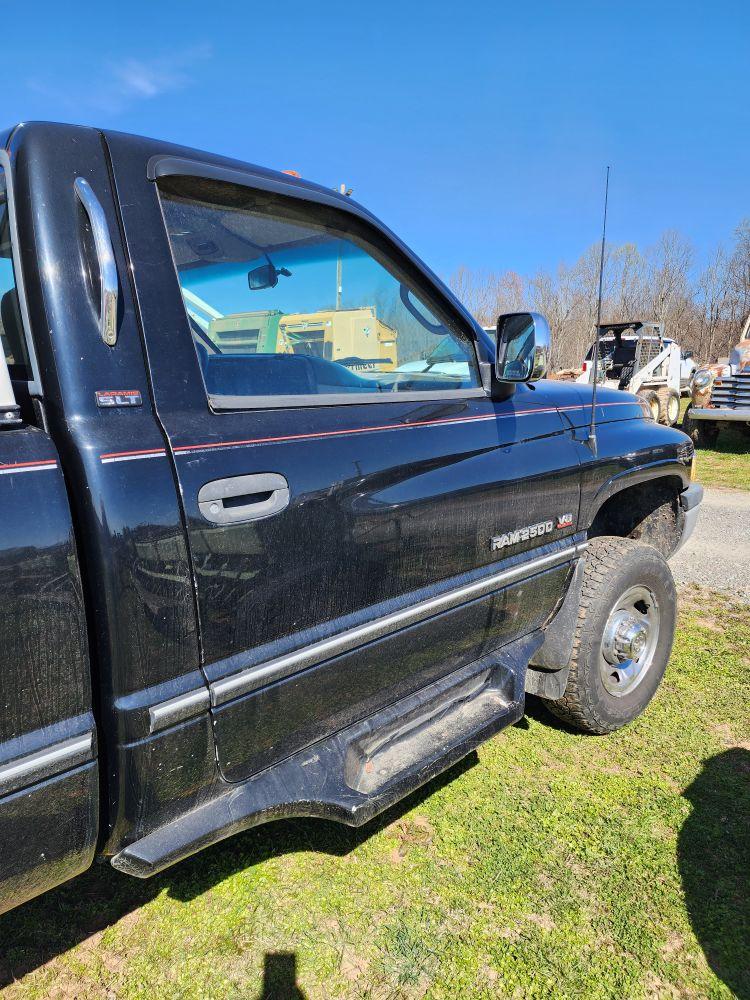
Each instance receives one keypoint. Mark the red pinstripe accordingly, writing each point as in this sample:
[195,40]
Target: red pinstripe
[312,435]
[21,465]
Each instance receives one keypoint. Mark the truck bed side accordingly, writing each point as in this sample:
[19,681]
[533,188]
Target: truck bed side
[49,793]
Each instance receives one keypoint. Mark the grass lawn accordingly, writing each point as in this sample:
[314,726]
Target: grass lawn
[548,865]
[728,462]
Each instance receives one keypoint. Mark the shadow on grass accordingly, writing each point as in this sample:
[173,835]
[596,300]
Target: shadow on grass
[280,977]
[731,441]
[50,925]
[714,860]
[538,711]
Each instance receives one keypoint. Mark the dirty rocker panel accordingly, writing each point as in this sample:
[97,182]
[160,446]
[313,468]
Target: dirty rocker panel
[298,709]
[48,832]
[231,681]
[358,772]
[269,671]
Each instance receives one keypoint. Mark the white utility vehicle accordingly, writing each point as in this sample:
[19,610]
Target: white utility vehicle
[636,356]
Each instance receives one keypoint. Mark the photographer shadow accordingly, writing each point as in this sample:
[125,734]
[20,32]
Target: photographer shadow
[714,860]
[280,977]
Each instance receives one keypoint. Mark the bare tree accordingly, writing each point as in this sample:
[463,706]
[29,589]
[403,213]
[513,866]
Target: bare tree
[702,311]
[713,302]
[489,293]
[738,273]
[671,261]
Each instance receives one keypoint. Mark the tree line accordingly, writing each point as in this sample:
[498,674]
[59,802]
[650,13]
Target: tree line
[702,308]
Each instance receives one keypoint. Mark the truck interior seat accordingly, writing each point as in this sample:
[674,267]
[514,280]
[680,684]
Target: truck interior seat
[623,354]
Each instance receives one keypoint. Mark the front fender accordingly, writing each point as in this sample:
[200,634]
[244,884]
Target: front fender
[648,472]
[629,453]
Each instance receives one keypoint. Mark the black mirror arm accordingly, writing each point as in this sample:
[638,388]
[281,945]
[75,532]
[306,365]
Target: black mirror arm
[495,389]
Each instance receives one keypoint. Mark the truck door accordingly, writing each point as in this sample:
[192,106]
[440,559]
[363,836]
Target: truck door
[49,789]
[337,508]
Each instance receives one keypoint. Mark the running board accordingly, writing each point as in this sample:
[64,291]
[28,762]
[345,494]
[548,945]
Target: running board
[354,775]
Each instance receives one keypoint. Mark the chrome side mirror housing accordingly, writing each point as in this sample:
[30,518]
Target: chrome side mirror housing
[523,347]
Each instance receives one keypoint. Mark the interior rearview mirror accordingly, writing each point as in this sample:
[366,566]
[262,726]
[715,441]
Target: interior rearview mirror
[523,347]
[264,276]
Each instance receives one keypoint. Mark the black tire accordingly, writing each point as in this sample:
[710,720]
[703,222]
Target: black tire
[651,397]
[703,433]
[669,406]
[614,567]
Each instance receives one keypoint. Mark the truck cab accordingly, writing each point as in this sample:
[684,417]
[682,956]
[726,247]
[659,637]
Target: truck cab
[243,582]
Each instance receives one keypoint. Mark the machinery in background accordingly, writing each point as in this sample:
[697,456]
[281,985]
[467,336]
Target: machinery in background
[354,338]
[720,395]
[636,357]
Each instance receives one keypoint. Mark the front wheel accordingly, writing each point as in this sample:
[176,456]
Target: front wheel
[651,398]
[669,406]
[623,638]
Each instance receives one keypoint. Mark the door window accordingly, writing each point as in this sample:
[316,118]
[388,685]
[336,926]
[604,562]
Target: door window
[282,303]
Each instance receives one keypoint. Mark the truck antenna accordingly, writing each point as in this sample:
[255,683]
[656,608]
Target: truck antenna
[592,427]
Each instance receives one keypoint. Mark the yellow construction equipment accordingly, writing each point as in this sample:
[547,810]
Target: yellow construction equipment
[355,338]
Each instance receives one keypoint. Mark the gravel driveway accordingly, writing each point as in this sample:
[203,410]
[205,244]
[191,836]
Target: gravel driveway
[718,554]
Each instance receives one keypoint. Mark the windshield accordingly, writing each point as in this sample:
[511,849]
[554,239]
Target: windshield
[448,351]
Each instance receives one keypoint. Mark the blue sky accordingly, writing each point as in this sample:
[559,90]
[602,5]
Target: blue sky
[479,132]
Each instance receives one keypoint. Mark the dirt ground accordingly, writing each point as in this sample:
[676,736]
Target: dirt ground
[718,554]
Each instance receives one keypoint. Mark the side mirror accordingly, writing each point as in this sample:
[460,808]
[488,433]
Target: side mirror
[261,277]
[523,347]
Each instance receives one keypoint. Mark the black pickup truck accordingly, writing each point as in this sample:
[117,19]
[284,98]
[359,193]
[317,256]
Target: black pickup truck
[284,532]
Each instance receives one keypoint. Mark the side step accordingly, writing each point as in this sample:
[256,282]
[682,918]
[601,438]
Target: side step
[354,775]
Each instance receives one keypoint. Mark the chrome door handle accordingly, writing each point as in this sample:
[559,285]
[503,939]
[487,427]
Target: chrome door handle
[106,259]
[243,498]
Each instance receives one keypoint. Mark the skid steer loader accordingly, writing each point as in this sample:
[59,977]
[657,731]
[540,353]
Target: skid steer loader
[636,357]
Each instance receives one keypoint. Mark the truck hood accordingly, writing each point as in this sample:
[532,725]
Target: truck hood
[574,399]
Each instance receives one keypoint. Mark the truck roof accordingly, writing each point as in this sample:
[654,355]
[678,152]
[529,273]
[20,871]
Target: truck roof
[144,143]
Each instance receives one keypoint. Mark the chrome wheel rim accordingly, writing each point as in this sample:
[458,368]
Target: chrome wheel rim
[629,641]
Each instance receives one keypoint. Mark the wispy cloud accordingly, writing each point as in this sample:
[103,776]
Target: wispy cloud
[122,83]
